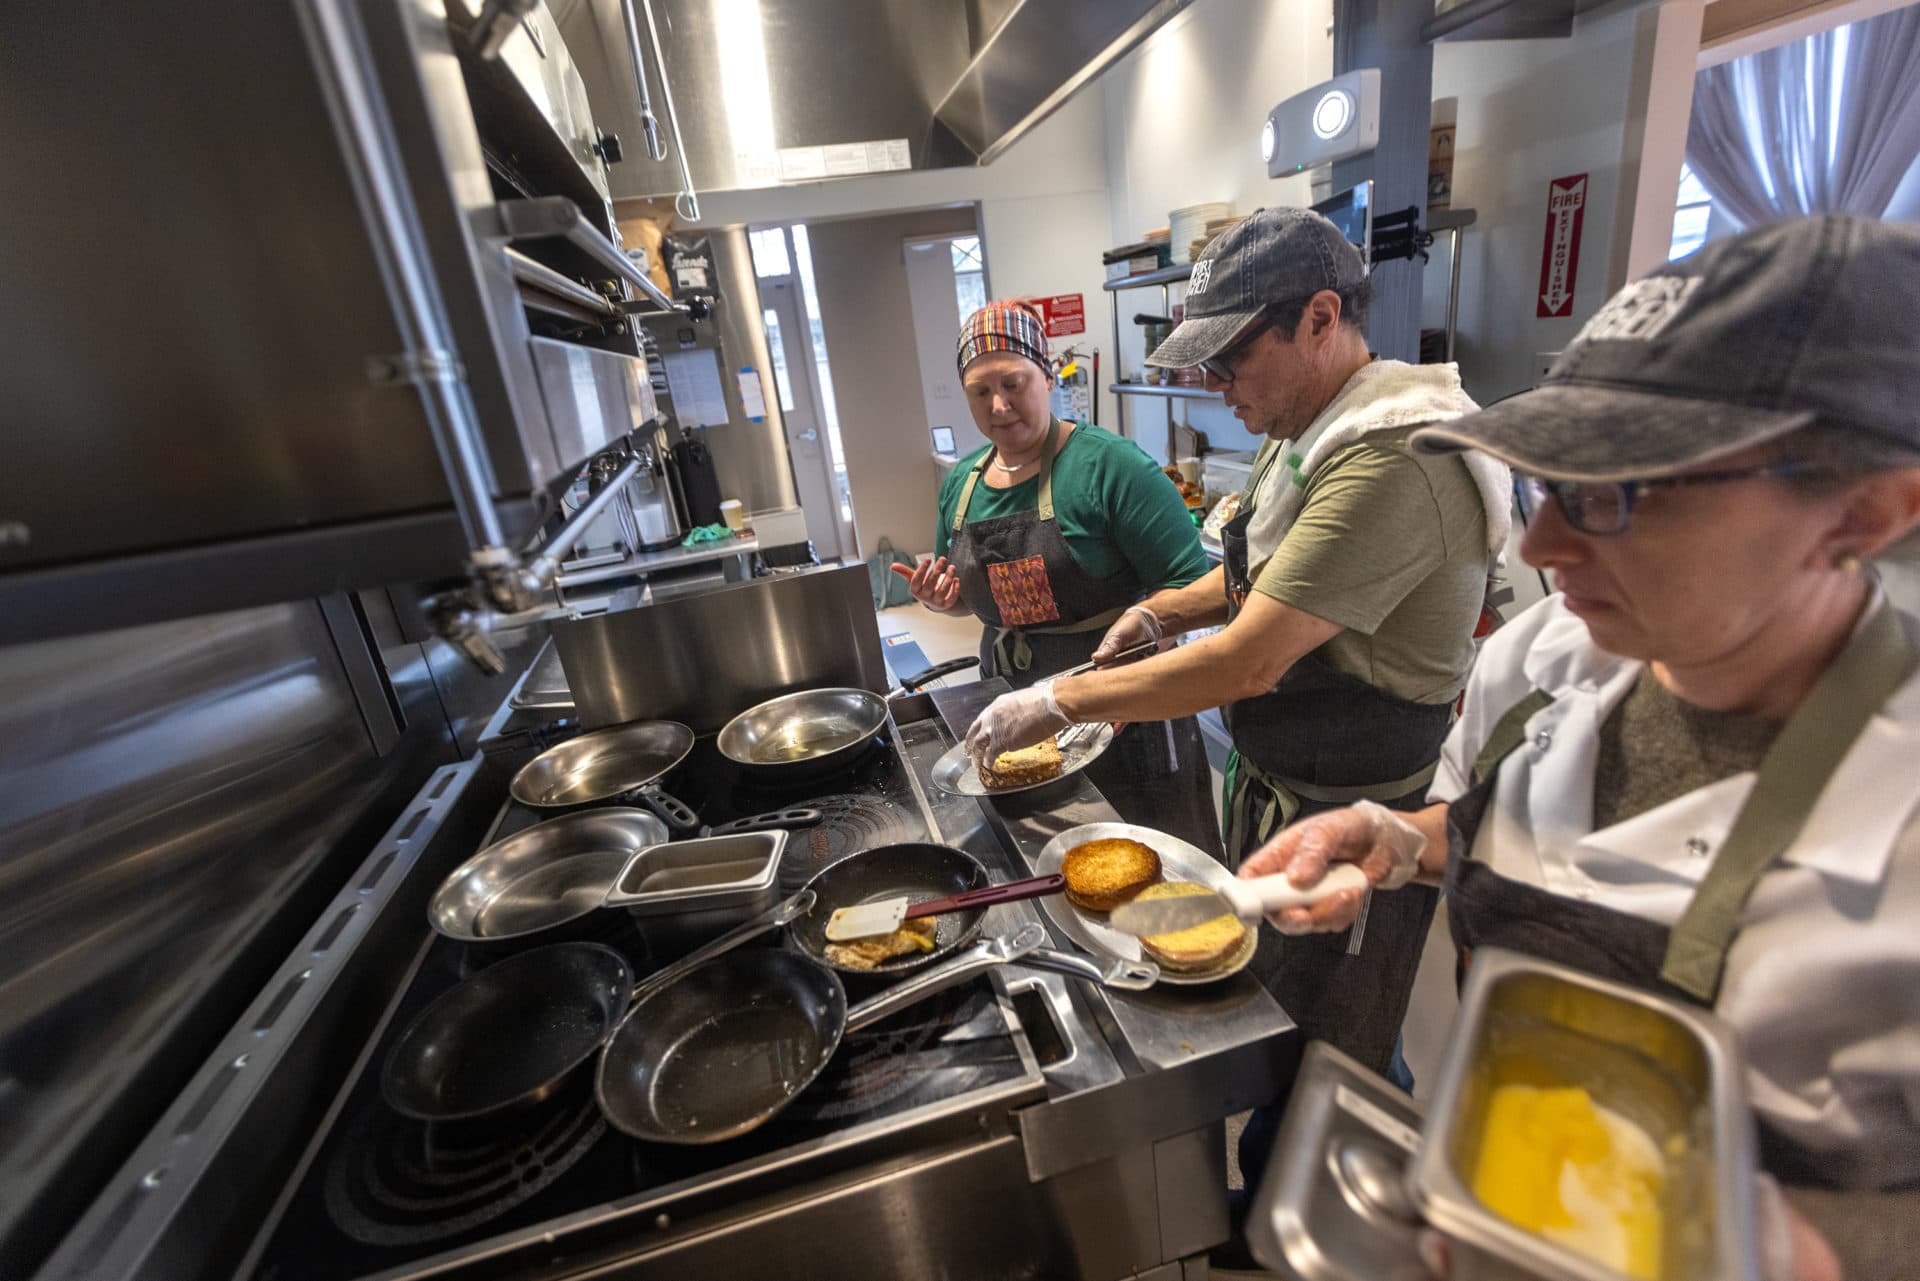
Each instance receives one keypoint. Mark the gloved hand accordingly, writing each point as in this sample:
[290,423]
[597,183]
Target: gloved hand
[1019,719]
[1386,847]
[1135,627]
[934,583]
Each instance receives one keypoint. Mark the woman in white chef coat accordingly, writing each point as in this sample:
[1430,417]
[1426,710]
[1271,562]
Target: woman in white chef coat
[1697,767]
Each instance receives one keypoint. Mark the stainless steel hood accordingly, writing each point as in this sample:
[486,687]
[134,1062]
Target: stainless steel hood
[776,91]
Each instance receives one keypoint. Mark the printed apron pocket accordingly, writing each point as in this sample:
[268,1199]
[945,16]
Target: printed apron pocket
[1022,592]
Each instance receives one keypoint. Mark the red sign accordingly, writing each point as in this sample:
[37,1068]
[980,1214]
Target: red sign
[1560,257]
[1064,313]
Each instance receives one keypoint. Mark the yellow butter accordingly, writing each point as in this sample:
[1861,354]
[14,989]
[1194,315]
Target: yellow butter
[1555,1162]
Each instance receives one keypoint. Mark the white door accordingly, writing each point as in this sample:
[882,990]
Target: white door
[814,473]
[936,328]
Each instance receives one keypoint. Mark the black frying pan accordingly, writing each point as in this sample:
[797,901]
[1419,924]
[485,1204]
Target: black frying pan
[919,870]
[512,1034]
[509,1036]
[724,1049]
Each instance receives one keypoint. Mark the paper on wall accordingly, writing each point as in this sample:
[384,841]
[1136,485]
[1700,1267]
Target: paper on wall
[693,379]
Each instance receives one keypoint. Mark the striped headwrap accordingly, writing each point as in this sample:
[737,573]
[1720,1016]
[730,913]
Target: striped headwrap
[1004,326]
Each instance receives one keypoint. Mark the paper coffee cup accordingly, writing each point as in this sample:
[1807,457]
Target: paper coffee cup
[734,514]
[1189,470]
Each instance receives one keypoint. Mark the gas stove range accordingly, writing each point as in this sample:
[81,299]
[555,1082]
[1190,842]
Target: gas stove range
[380,1195]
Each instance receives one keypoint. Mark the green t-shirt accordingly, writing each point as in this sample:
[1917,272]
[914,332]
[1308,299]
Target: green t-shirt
[1391,545]
[1115,507]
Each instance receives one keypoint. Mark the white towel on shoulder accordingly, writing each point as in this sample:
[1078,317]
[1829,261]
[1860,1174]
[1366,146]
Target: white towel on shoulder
[1385,395]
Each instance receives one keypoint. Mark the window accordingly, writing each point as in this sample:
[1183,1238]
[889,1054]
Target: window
[776,345]
[969,276]
[1690,216]
[770,252]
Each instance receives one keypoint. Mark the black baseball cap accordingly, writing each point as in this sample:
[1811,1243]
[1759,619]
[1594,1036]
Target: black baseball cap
[1273,256]
[1752,337]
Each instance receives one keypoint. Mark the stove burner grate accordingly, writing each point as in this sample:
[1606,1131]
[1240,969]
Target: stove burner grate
[850,822]
[395,1181]
[882,1064]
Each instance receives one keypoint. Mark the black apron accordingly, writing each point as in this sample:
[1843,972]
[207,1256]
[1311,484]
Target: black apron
[1318,740]
[1685,962]
[1044,614]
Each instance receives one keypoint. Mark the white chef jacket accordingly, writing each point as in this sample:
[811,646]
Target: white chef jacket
[1823,979]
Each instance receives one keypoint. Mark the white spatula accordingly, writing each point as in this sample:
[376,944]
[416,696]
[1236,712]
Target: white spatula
[1249,900]
[864,920]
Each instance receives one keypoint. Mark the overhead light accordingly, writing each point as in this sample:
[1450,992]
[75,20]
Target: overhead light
[1331,115]
[1329,122]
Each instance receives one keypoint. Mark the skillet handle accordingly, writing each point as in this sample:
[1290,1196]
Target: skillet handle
[772,820]
[982,956]
[1005,892]
[934,673]
[1120,975]
[673,812]
[771,919]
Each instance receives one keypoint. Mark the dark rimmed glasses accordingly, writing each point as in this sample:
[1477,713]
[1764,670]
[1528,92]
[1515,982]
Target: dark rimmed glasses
[1220,365]
[1603,508]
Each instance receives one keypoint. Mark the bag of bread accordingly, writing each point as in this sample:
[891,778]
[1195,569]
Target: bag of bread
[645,226]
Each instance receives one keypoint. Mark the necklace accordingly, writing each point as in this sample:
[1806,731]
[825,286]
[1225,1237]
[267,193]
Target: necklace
[1002,467]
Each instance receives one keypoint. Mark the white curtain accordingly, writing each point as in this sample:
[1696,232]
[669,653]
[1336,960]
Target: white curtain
[1829,124]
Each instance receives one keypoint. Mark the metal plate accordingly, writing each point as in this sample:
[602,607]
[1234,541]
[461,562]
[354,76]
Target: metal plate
[1179,861]
[954,773]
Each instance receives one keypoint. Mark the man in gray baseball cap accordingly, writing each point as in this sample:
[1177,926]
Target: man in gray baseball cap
[1355,571]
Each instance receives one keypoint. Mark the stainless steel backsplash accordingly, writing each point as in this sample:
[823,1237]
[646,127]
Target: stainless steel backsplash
[703,659]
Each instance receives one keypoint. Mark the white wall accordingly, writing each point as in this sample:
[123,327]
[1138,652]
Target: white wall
[1532,111]
[1182,118]
[1043,208]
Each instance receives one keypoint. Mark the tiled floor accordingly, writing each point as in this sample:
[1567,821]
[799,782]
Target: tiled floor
[942,637]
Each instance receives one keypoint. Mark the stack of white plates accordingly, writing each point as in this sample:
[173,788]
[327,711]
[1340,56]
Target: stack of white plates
[1187,225]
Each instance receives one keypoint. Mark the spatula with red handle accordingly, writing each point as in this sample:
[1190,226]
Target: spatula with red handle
[884,917]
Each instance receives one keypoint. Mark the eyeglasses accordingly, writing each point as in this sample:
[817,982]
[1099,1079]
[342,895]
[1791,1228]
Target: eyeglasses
[1603,508]
[1220,365]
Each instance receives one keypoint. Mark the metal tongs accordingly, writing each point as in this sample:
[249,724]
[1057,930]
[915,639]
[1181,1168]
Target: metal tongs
[1073,734]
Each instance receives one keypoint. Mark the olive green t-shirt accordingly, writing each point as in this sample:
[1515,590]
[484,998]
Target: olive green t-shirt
[1115,507]
[1391,545]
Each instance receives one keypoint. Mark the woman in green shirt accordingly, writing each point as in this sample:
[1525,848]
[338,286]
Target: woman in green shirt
[1048,534]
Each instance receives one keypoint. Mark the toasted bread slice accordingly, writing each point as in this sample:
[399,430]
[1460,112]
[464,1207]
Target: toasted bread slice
[1025,765]
[1201,947]
[1101,875]
[916,935]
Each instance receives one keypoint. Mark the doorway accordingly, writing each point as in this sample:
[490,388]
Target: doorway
[947,282]
[790,315]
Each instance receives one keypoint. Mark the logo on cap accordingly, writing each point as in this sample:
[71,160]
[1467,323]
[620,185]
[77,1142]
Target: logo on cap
[1640,311]
[1202,274]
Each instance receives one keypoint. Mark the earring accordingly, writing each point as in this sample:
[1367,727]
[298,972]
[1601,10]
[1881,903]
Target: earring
[1847,563]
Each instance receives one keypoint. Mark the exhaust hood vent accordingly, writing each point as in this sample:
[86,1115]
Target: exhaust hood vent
[777,91]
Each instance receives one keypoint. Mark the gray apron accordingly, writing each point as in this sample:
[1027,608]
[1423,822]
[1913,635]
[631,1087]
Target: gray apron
[1686,961]
[1044,613]
[1318,740]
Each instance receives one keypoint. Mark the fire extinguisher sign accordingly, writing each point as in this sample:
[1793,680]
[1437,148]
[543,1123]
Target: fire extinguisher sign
[1560,256]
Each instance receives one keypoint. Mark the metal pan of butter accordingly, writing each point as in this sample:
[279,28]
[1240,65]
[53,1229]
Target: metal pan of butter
[1582,1130]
